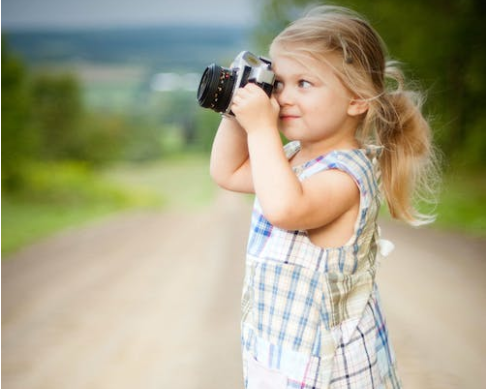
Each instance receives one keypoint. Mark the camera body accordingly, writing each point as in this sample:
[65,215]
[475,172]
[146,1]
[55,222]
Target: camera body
[218,84]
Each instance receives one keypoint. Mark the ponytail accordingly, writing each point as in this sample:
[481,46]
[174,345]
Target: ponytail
[408,159]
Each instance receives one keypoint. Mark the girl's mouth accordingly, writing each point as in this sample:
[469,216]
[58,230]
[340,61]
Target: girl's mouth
[288,117]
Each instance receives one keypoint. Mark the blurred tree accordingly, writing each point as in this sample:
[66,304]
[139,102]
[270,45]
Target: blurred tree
[18,138]
[205,128]
[440,42]
[179,108]
[44,120]
[57,112]
[142,138]
[102,138]
[67,131]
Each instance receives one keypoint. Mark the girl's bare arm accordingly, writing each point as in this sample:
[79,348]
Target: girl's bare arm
[230,163]
[287,202]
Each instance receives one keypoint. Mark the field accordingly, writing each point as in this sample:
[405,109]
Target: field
[117,67]
[164,48]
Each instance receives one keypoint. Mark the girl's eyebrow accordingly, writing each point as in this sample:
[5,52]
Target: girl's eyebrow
[298,76]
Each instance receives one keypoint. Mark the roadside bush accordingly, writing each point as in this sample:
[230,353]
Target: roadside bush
[74,183]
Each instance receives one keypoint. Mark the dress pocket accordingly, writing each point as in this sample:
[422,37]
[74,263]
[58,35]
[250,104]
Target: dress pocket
[262,377]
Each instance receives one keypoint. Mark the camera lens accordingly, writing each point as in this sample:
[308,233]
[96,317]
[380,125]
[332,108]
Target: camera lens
[216,88]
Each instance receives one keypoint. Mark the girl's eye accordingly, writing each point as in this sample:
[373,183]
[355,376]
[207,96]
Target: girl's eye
[304,84]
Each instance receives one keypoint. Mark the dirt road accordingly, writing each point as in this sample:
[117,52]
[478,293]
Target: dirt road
[150,300]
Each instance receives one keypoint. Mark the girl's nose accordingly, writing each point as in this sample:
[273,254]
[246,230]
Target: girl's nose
[284,96]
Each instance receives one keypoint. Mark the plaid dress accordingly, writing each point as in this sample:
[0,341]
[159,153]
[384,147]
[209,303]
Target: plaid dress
[311,317]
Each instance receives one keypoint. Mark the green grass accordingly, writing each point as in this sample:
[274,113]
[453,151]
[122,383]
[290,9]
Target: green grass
[182,181]
[24,222]
[462,205]
[69,195]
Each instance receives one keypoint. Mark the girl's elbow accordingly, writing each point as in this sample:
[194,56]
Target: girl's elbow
[231,181]
[282,217]
[219,178]
[216,171]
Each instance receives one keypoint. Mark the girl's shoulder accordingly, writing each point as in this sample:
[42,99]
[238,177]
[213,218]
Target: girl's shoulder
[361,164]
[372,152]
[359,160]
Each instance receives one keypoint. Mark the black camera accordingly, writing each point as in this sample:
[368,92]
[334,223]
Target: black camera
[218,84]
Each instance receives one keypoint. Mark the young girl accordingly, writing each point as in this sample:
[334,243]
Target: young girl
[311,311]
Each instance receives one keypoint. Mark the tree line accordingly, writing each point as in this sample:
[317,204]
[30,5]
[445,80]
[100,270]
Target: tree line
[45,120]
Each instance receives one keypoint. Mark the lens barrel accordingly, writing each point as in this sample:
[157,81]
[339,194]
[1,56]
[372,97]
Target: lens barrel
[216,88]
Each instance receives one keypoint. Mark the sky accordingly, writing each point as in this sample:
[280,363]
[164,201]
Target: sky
[111,13]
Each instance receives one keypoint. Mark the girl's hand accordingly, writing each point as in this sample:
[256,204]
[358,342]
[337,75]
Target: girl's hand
[254,110]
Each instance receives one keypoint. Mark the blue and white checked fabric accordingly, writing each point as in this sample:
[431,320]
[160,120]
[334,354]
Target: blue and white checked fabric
[311,316]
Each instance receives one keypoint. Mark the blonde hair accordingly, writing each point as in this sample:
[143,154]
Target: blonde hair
[394,118]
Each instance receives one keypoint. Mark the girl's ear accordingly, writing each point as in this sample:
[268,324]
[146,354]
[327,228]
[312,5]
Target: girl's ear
[357,107]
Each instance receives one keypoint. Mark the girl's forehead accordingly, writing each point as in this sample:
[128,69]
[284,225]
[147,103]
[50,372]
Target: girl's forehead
[300,63]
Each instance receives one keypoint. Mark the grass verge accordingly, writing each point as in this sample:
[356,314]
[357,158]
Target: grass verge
[25,222]
[69,195]
[462,205]
[56,196]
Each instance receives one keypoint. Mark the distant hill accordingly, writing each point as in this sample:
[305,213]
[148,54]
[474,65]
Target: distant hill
[181,48]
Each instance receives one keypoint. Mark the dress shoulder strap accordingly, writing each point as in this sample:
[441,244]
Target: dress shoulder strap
[290,149]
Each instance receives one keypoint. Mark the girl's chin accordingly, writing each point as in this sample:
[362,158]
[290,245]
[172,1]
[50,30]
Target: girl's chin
[288,132]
